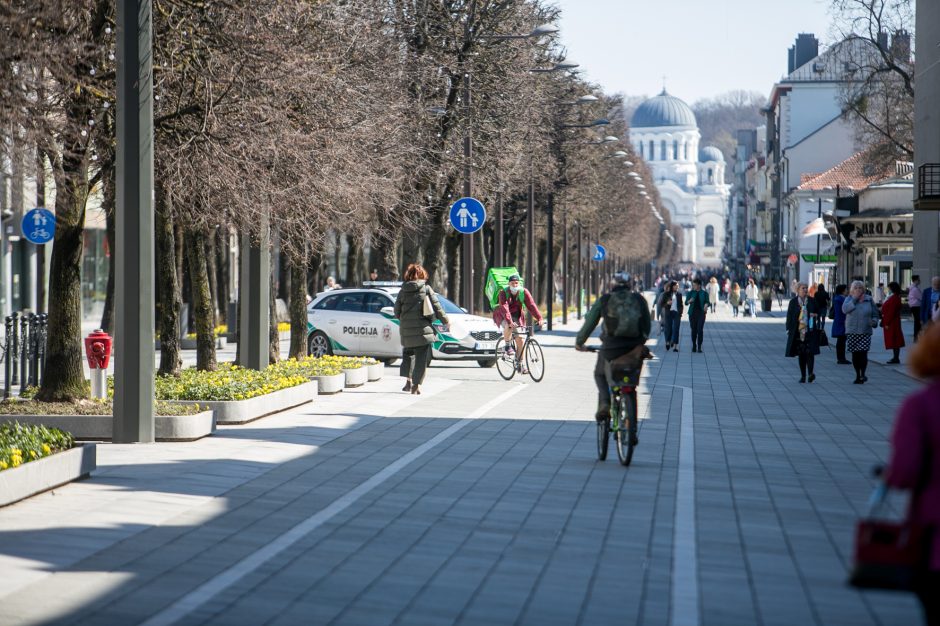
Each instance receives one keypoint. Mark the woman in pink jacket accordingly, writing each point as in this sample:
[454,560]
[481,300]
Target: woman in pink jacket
[915,462]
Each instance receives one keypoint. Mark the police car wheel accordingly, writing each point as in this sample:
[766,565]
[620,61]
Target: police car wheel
[318,344]
[486,362]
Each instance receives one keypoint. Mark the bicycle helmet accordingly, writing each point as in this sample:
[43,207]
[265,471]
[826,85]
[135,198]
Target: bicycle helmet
[622,278]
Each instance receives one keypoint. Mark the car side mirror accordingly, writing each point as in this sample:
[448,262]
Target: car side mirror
[464,310]
[387,310]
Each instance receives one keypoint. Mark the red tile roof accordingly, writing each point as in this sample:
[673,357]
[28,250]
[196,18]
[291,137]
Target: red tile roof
[856,172]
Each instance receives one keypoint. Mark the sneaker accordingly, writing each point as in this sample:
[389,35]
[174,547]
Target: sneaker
[407,386]
[893,361]
[675,348]
[812,377]
[802,380]
[602,413]
[634,440]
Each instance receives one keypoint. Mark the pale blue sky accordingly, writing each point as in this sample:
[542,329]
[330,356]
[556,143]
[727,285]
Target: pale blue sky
[703,47]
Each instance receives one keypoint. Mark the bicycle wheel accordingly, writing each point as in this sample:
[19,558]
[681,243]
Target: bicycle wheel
[626,434]
[603,439]
[505,363]
[534,360]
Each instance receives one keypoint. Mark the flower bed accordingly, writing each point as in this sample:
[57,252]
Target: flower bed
[229,382]
[36,458]
[21,443]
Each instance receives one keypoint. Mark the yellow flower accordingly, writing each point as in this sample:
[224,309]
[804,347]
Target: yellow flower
[3,465]
[46,449]
[33,454]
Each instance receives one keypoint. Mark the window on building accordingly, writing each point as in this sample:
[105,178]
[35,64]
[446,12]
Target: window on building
[675,149]
[651,157]
[711,176]
[662,149]
[685,148]
[642,150]
[709,236]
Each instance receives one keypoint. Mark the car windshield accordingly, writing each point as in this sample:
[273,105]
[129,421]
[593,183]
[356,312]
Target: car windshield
[448,306]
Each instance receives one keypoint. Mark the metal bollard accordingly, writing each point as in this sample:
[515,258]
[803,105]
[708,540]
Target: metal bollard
[33,349]
[24,353]
[41,342]
[8,357]
[15,354]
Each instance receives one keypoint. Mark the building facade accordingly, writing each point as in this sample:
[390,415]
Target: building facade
[690,179]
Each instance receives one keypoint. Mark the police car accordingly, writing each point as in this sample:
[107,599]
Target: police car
[362,322]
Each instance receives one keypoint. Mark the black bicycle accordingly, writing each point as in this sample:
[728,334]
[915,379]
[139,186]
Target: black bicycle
[622,421]
[530,359]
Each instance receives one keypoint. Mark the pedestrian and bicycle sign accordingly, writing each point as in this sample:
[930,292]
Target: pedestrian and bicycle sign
[38,226]
[600,252]
[467,215]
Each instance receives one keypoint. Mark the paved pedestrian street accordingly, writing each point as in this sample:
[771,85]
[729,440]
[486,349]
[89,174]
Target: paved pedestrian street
[481,501]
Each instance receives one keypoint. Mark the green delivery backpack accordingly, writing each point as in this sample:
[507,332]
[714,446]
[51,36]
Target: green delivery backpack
[623,314]
[496,280]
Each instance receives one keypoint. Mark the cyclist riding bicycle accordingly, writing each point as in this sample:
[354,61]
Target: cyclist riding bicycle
[626,325]
[513,302]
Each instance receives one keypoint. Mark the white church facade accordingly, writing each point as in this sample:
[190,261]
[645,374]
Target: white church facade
[691,181]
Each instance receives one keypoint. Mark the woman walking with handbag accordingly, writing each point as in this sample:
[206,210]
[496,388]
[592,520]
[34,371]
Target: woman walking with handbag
[915,465]
[802,333]
[416,307]
[861,316]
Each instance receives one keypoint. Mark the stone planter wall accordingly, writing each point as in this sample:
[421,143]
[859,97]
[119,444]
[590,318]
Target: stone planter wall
[376,371]
[100,427]
[356,377]
[243,411]
[46,473]
[328,385]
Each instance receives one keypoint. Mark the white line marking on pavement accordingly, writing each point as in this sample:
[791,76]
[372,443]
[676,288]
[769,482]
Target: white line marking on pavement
[205,592]
[684,556]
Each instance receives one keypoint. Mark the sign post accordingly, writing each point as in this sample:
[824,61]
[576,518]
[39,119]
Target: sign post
[467,216]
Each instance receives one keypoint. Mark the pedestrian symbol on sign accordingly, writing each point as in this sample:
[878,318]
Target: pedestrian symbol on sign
[467,215]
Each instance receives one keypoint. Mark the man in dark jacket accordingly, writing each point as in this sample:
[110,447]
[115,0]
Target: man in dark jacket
[930,300]
[612,346]
[697,303]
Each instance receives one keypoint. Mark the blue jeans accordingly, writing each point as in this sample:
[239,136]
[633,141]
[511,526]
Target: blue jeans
[672,327]
[752,307]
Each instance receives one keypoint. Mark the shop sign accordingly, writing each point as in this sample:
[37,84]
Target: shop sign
[884,229]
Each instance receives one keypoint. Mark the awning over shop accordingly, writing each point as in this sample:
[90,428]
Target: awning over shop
[901,256]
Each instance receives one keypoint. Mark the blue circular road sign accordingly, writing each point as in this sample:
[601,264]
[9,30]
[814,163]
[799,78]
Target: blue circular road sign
[38,226]
[467,215]
[600,252]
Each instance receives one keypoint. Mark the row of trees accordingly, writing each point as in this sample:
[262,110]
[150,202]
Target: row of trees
[312,119]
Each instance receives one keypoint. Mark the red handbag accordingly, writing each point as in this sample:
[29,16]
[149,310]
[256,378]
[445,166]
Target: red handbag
[888,554]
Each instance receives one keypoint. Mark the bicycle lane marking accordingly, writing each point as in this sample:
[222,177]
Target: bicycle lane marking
[208,590]
[685,595]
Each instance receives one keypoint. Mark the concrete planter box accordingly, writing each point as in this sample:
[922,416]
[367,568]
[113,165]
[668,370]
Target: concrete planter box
[376,371]
[243,411]
[357,377]
[328,385]
[46,473]
[100,427]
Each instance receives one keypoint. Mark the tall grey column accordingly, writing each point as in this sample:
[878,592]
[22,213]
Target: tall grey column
[134,273]
[254,301]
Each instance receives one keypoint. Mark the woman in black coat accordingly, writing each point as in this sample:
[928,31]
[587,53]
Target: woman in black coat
[822,305]
[802,335]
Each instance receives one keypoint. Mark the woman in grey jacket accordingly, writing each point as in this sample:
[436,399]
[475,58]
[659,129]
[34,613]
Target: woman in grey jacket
[416,329]
[861,316]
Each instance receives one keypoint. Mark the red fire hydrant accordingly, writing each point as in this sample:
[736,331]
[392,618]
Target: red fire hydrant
[98,353]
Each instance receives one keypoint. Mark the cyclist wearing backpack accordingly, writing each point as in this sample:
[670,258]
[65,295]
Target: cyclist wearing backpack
[626,325]
[513,302]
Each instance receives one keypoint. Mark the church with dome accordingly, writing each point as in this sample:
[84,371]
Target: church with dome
[691,181]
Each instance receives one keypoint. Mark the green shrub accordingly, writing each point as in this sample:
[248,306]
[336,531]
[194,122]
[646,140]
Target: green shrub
[22,443]
[228,382]
[84,407]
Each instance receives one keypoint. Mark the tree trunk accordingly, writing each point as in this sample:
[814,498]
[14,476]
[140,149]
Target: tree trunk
[352,256]
[453,274]
[107,204]
[274,338]
[63,377]
[168,285]
[212,268]
[298,309]
[181,274]
[202,301]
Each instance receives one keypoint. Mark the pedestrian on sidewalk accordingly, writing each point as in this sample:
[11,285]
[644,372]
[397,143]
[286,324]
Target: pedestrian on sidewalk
[914,298]
[750,297]
[416,307]
[697,303]
[879,296]
[861,315]
[915,465]
[802,332]
[781,290]
[891,322]
[712,293]
[930,301]
[671,306]
[734,299]
[822,305]
[838,324]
